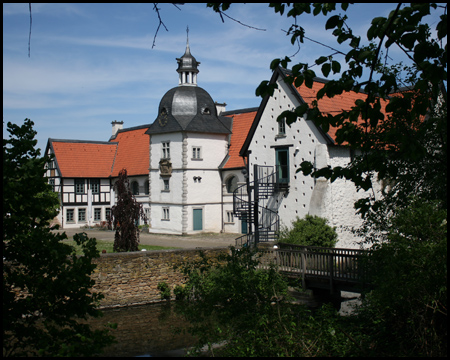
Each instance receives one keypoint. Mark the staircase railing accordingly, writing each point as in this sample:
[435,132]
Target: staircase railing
[265,221]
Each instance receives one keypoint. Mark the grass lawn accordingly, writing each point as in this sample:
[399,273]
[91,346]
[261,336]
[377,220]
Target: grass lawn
[108,246]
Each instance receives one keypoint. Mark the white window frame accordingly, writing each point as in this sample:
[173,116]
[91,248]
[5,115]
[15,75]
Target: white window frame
[97,211]
[70,211]
[79,183]
[165,150]
[230,217]
[165,185]
[135,188]
[165,214]
[94,184]
[282,128]
[197,153]
[80,212]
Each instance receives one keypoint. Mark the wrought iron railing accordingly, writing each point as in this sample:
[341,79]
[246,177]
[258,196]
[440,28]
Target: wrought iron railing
[265,221]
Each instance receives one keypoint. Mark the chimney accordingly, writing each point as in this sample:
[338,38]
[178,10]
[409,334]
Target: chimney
[116,126]
[220,107]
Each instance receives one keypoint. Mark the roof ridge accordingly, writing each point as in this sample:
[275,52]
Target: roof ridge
[83,141]
[129,129]
[239,111]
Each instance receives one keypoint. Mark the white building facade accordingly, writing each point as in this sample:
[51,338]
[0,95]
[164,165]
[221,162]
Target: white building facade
[189,142]
[285,147]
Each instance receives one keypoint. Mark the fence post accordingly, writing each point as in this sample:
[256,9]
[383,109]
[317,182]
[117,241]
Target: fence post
[303,257]
[331,270]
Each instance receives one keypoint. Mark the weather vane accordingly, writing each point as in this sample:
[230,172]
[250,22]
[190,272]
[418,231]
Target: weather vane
[187,33]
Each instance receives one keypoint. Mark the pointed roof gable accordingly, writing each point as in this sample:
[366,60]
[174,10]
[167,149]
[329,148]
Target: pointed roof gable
[87,159]
[326,105]
[241,122]
[133,151]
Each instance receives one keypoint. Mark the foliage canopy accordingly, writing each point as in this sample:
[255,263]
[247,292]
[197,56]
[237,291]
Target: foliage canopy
[46,287]
[230,299]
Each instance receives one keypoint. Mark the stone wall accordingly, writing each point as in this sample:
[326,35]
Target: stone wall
[132,278]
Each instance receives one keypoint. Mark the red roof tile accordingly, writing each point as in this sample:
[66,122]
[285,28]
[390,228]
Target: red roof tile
[133,152]
[89,160]
[334,105]
[241,126]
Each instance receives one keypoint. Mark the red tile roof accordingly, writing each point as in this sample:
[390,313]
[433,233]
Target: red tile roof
[241,126]
[334,105]
[326,105]
[92,159]
[84,159]
[133,152]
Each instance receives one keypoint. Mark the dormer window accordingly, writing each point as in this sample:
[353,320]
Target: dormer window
[163,117]
[206,111]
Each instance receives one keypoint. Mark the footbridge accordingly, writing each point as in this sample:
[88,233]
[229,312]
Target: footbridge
[333,269]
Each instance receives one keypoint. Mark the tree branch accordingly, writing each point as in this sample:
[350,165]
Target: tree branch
[375,60]
[29,35]
[155,7]
[229,17]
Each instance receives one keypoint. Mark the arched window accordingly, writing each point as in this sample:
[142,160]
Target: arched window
[135,188]
[231,184]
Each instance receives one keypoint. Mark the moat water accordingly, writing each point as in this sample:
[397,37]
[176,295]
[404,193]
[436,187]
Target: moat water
[155,330]
[145,330]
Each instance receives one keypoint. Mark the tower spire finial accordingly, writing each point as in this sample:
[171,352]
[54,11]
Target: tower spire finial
[187,66]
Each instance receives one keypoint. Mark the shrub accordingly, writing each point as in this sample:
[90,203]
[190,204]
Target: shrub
[165,290]
[310,231]
[406,313]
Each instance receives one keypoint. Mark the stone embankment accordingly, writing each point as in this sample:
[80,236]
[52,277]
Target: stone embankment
[132,278]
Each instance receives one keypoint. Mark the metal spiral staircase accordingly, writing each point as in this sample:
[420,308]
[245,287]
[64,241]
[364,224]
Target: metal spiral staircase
[263,222]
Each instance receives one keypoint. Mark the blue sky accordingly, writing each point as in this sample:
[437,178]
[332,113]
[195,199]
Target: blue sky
[91,64]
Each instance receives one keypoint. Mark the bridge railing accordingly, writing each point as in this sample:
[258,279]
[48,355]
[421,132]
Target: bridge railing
[335,264]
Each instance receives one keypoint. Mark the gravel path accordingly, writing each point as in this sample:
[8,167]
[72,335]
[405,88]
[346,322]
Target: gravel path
[203,240]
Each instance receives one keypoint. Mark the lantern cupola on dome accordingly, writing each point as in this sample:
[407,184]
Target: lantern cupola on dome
[187,67]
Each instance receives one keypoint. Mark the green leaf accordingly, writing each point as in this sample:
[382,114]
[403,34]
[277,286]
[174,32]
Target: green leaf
[442,27]
[326,68]
[299,80]
[309,78]
[332,22]
[408,40]
[325,127]
[355,41]
[265,88]
[274,64]
[321,60]
[285,61]
[336,67]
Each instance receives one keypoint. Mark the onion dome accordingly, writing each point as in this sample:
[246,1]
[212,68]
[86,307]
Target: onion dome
[188,107]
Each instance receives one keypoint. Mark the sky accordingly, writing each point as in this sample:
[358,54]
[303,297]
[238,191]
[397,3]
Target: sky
[91,64]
